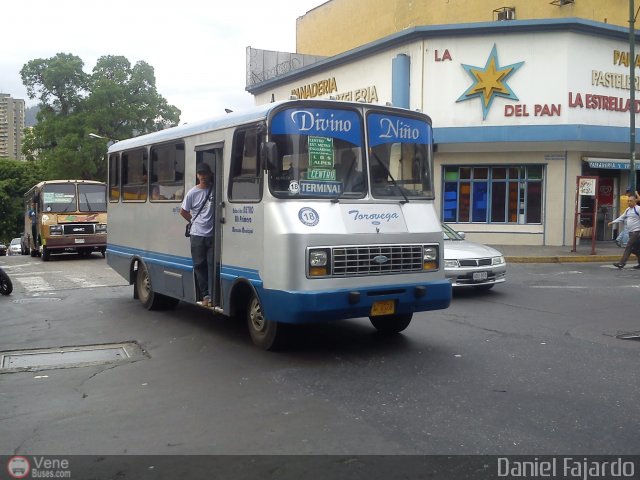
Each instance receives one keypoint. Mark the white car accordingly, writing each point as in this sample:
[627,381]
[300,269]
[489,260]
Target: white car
[15,247]
[471,265]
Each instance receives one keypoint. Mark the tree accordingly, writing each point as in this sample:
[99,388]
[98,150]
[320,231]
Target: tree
[116,101]
[16,178]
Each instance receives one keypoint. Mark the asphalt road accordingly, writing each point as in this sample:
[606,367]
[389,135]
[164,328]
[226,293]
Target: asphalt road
[531,367]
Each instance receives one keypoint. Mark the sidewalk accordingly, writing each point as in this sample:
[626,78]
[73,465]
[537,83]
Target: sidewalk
[606,251]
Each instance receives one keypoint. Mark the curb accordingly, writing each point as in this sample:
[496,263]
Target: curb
[563,259]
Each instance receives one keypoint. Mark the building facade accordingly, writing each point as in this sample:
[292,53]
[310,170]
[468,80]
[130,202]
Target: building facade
[521,109]
[11,127]
[322,30]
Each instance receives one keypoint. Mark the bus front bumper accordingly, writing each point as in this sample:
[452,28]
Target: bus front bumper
[315,307]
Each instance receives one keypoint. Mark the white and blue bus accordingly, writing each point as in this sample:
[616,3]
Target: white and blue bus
[324,211]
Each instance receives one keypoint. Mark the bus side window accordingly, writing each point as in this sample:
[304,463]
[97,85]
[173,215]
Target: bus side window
[114,177]
[167,172]
[134,175]
[245,182]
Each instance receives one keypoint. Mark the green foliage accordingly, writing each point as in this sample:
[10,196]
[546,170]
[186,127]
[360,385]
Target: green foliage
[115,101]
[16,178]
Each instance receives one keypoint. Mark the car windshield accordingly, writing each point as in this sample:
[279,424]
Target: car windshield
[15,241]
[449,233]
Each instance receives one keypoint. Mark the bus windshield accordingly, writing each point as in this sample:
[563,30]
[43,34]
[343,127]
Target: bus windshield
[92,198]
[59,198]
[319,154]
[400,156]
[63,198]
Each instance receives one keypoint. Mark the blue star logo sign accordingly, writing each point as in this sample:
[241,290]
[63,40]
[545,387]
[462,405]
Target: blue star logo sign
[489,82]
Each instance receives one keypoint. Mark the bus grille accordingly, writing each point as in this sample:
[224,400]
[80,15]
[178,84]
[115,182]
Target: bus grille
[377,259]
[78,228]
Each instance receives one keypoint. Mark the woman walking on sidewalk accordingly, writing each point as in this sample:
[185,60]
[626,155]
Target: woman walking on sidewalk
[631,219]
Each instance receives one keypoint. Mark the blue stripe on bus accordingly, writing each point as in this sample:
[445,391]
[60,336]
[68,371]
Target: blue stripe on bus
[174,261]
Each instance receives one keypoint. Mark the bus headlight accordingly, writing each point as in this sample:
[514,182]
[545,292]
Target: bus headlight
[318,263]
[101,228]
[55,229]
[430,257]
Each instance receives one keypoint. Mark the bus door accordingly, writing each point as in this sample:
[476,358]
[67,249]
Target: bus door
[212,155]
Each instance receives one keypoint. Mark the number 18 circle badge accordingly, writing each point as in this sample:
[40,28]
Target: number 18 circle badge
[308,216]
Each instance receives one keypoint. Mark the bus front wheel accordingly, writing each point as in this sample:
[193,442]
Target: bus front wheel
[265,334]
[46,254]
[391,324]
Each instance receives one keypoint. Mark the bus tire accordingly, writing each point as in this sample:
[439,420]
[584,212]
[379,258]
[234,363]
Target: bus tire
[391,324]
[143,291]
[46,254]
[265,334]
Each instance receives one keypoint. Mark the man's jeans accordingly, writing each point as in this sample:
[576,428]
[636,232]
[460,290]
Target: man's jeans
[202,255]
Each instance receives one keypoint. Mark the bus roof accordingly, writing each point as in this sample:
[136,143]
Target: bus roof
[188,129]
[59,182]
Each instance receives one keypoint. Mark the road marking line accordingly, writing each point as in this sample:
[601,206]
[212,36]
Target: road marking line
[576,287]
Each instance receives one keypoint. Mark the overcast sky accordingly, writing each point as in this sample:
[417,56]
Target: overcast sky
[197,48]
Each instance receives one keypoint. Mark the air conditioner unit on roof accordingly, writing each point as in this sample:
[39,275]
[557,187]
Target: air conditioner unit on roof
[507,14]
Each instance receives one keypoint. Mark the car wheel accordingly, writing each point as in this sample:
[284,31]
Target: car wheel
[6,287]
[391,324]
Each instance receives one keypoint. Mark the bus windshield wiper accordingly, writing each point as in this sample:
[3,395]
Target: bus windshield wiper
[87,201]
[395,184]
[346,181]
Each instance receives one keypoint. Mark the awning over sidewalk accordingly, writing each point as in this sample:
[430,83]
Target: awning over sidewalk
[610,163]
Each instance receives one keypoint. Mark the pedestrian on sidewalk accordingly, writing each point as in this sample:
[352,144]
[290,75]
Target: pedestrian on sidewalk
[631,220]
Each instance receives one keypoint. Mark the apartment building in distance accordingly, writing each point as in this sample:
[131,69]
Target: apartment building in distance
[11,127]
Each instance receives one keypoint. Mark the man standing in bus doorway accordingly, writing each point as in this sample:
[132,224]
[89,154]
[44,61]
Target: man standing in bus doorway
[198,208]
[631,219]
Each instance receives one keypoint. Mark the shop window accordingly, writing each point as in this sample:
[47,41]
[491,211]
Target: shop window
[499,194]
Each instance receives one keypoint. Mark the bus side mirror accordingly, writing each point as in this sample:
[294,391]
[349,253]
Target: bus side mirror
[269,155]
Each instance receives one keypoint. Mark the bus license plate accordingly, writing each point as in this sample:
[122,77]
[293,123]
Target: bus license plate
[479,276]
[384,307]
[79,240]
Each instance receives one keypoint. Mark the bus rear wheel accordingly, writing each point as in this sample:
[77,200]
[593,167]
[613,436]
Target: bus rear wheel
[265,334]
[144,292]
[391,324]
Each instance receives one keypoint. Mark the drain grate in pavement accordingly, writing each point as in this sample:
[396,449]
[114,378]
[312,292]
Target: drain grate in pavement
[37,300]
[67,357]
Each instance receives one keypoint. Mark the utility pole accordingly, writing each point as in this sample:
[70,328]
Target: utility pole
[632,97]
